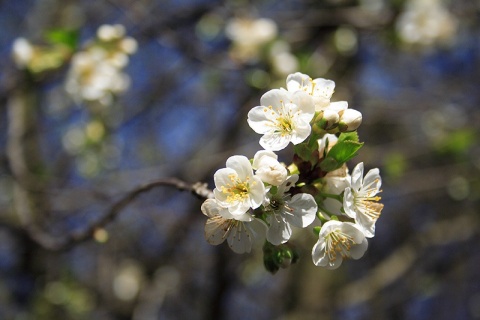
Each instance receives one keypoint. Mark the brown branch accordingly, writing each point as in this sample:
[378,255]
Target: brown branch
[51,243]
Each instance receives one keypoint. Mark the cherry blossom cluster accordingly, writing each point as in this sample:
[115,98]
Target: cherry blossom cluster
[262,199]
[96,73]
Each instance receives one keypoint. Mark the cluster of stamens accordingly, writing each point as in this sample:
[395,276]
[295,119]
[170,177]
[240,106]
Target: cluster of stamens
[338,242]
[369,202]
[236,191]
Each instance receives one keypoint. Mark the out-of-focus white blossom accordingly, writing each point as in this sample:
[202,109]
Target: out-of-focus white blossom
[22,52]
[96,73]
[282,117]
[360,200]
[39,58]
[338,241]
[281,58]
[248,36]
[108,32]
[426,22]
[90,78]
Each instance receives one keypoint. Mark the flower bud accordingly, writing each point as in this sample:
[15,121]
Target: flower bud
[268,168]
[331,119]
[276,257]
[350,120]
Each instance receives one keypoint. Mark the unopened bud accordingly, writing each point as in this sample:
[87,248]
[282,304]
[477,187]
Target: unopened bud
[331,119]
[350,120]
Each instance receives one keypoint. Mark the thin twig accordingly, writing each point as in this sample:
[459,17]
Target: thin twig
[51,243]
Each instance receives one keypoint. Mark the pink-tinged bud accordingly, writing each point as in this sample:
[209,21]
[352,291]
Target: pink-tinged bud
[350,120]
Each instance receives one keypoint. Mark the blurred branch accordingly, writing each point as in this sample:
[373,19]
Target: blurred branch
[24,155]
[52,243]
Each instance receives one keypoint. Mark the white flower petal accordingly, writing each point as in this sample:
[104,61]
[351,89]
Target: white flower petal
[241,165]
[304,210]
[261,119]
[323,88]
[241,239]
[357,176]
[257,192]
[279,231]
[348,203]
[299,81]
[211,208]
[338,106]
[259,155]
[372,181]
[274,142]
[239,208]
[301,134]
[216,230]
[304,102]
[275,98]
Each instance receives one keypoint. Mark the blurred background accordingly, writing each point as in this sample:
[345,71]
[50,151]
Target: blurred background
[78,134]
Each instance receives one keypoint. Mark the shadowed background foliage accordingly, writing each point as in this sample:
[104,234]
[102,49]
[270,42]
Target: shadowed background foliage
[411,67]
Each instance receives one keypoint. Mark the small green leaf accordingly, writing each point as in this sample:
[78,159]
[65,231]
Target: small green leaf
[351,136]
[329,164]
[345,149]
[63,36]
[306,153]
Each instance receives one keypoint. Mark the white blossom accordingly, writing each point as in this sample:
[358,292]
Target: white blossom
[96,73]
[426,22]
[268,168]
[360,200]
[338,241]
[240,233]
[237,188]
[22,52]
[283,117]
[320,89]
[109,32]
[90,78]
[283,61]
[283,211]
[248,36]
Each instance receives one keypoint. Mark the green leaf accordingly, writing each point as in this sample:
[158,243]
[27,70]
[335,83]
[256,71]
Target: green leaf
[345,149]
[63,36]
[308,150]
[351,136]
[306,153]
[329,164]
